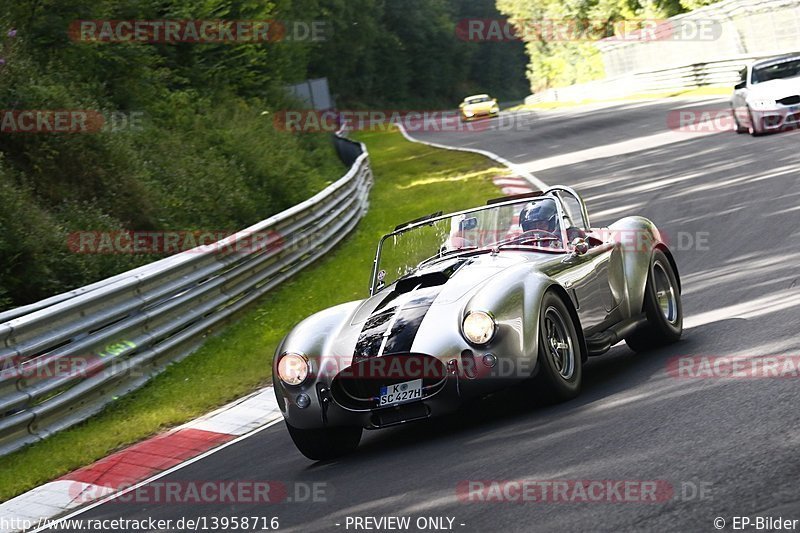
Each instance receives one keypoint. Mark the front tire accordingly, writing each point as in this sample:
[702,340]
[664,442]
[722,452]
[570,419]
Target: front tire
[738,128]
[752,128]
[325,443]
[662,307]
[560,372]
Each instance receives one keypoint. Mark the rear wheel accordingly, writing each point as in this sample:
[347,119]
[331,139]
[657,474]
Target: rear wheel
[325,443]
[662,307]
[560,372]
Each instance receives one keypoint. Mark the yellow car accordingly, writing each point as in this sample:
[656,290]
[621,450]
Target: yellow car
[477,106]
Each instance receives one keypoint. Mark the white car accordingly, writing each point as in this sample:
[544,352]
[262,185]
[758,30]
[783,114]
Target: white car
[478,106]
[767,97]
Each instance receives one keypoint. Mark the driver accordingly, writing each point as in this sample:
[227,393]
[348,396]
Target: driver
[542,217]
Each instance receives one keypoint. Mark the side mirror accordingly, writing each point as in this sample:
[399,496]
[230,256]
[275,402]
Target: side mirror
[740,85]
[579,246]
[593,240]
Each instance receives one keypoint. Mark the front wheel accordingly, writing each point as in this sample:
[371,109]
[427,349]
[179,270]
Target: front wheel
[325,443]
[560,371]
[738,128]
[752,129]
[662,307]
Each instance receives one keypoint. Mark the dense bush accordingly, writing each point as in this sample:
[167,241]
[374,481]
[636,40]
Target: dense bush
[204,154]
[406,53]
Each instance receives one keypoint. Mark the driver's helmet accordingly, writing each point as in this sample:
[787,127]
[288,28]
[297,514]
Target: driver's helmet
[539,215]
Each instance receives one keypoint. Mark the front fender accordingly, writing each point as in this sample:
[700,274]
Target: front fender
[515,299]
[322,338]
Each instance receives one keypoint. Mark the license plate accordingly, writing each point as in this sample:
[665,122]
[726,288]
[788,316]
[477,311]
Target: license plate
[401,392]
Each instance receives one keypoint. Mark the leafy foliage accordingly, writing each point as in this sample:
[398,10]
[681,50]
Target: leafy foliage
[202,157]
[556,62]
[204,154]
[406,53]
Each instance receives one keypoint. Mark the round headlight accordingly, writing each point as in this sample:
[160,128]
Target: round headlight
[293,368]
[479,327]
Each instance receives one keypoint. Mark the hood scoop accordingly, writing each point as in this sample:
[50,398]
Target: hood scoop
[436,274]
[430,279]
[426,278]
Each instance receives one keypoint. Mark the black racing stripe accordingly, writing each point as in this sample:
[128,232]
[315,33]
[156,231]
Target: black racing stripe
[405,327]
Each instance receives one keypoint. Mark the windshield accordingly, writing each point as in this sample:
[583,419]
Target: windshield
[532,224]
[775,71]
[477,99]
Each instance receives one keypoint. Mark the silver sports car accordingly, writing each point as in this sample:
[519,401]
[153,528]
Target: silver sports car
[520,291]
[767,97]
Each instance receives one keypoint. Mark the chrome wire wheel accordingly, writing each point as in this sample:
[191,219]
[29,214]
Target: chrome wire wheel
[559,343]
[665,293]
[661,306]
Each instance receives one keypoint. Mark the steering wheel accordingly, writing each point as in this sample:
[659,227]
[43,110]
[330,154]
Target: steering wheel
[544,233]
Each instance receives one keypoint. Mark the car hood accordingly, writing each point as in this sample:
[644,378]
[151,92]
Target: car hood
[480,106]
[388,322]
[776,89]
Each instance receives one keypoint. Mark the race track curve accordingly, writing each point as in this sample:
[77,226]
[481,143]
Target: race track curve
[730,204]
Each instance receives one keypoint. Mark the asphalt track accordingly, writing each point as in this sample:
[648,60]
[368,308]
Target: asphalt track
[727,447]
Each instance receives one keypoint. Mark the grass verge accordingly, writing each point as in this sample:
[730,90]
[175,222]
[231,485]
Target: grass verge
[411,180]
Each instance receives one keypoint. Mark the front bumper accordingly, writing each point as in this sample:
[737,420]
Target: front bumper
[326,411]
[454,380]
[480,114]
[446,399]
[777,119]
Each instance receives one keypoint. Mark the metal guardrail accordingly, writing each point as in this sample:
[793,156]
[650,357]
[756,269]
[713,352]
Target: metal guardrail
[716,73]
[741,31]
[66,357]
[724,29]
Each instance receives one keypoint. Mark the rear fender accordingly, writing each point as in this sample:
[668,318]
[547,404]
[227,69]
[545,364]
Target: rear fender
[637,237]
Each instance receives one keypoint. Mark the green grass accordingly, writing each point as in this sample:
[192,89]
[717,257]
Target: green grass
[411,180]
